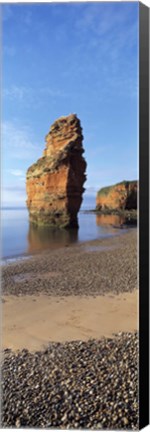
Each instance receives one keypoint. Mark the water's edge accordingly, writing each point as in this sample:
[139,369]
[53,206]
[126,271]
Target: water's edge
[20,240]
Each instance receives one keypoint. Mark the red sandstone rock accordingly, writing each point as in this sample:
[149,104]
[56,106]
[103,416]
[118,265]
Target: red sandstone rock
[55,182]
[122,196]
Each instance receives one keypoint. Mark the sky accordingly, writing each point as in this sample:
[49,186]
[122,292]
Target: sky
[63,58]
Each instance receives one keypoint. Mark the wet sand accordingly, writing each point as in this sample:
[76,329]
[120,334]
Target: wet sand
[70,317]
[82,292]
[32,322]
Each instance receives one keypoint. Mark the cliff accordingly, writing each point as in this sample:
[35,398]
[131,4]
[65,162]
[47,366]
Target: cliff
[54,183]
[121,196]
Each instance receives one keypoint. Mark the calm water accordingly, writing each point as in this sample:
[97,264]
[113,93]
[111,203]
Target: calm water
[19,237]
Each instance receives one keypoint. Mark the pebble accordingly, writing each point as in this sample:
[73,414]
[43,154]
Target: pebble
[81,385]
[76,272]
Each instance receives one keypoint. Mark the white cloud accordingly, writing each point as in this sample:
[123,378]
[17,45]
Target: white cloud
[90,191]
[19,147]
[17,92]
[102,20]
[18,143]
[27,95]
[54,92]
[19,151]
[16,172]
[13,197]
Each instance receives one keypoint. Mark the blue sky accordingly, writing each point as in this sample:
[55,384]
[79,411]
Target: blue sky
[70,58]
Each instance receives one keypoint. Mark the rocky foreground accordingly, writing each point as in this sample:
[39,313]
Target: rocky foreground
[90,384]
[79,384]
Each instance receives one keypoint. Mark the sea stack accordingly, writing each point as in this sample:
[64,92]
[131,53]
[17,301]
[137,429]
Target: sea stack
[121,196]
[54,183]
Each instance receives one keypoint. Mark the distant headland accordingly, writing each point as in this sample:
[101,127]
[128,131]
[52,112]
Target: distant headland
[121,196]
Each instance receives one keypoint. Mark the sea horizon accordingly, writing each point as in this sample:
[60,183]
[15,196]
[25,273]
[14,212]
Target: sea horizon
[88,203]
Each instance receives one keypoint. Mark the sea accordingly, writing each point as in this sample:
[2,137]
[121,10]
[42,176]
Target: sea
[19,238]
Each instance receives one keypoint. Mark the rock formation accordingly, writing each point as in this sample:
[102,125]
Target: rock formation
[55,182]
[122,196]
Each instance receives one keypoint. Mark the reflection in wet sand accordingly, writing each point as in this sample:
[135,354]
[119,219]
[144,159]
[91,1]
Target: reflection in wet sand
[40,238]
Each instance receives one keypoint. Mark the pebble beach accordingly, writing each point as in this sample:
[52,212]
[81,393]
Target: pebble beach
[87,382]
[91,268]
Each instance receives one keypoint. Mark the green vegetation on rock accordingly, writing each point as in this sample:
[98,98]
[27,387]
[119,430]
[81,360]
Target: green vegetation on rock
[106,190]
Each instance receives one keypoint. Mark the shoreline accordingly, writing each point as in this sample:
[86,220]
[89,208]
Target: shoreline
[88,290]
[94,267]
[26,255]
[70,357]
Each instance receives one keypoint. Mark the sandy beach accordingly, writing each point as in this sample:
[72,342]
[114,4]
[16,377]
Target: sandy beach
[33,322]
[80,299]
[75,293]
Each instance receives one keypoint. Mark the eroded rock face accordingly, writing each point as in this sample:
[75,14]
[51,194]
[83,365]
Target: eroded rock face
[121,196]
[55,182]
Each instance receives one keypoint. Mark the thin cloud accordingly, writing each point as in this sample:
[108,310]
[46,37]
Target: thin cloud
[27,95]
[7,12]
[17,92]
[112,32]
[101,19]
[17,188]
[28,18]
[13,196]
[17,172]
[19,142]
[90,191]
[54,92]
